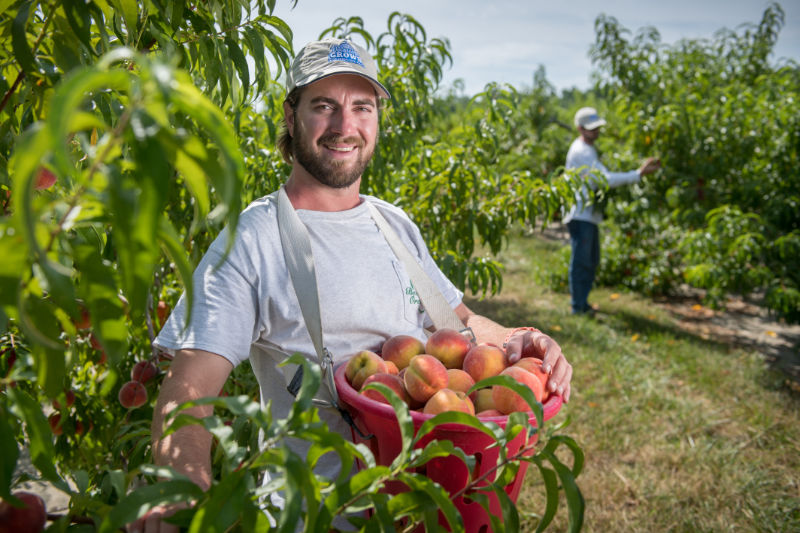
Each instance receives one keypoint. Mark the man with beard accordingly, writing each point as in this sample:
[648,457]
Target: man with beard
[244,307]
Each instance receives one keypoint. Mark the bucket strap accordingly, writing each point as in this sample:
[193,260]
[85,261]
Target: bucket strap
[434,302]
[296,245]
[299,259]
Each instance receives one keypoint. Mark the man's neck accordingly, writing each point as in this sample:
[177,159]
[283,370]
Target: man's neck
[305,192]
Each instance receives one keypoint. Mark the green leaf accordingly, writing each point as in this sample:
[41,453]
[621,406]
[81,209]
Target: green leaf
[575,502]
[188,99]
[551,492]
[40,443]
[99,291]
[19,40]
[239,60]
[577,453]
[194,163]
[130,14]
[139,502]
[67,100]
[170,242]
[363,482]
[138,200]
[224,505]
[39,321]
[14,251]
[508,507]
[9,452]
[437,495]
[404,421]
[77,14]
[256,47]
[519,388]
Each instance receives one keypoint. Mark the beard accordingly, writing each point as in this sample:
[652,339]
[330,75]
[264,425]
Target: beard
[333,173]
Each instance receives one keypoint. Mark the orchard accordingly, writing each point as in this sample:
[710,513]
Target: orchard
[133,133]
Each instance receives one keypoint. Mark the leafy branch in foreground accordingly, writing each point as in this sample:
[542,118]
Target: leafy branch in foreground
[249,441]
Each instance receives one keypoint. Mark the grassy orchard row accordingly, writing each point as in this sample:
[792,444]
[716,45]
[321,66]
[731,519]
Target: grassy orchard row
[441,375]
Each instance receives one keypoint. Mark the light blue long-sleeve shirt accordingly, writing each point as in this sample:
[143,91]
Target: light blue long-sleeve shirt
[584,155]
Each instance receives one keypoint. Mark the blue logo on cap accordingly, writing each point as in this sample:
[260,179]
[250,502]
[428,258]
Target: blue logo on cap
[344,52]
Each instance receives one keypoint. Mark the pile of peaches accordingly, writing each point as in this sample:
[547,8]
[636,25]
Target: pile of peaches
[435,376]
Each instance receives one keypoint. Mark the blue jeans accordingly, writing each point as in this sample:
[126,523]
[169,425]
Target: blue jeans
[583,263]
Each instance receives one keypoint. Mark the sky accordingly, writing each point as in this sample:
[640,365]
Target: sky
[506,41]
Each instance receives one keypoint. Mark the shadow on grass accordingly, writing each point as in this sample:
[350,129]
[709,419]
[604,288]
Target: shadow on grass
[785,363]
[508,314]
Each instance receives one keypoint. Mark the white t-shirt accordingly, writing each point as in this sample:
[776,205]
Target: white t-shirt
[247,308]
[584,155]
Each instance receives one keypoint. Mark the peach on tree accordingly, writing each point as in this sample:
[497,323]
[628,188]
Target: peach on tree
[31,517]
[132,395]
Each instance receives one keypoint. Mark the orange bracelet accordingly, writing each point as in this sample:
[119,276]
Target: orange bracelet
[505,342]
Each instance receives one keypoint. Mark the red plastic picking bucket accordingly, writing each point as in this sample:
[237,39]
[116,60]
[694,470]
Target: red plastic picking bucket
[379,420]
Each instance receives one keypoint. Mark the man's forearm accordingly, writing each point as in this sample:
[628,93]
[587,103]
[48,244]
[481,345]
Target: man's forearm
[193,374]
[487,330]
[187,450]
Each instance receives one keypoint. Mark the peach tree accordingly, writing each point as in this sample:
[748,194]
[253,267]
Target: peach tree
[131,134]
[721,114]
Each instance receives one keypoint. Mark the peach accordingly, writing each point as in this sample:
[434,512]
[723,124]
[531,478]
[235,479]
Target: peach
[132,395]
[391,381]
[400,349]
[31,517]
[534,366]
[44,179]
[85,321]
[69,396]
[488,413]
[424,376]
[449,400]
[55,424]
[361,366]
[506,400]
[391,368]
[484,361]
[448,346]
[162,312]
[458,380]
[482,398]
[143,371]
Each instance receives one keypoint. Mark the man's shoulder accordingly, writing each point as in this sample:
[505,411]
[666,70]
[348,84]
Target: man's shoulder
[579,152]
[266,206]
[386,207]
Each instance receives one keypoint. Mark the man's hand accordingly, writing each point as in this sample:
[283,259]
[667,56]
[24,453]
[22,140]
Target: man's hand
[650,165]
[526,343]
[152,521]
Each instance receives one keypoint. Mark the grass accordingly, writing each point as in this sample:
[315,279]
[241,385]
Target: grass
[679,433]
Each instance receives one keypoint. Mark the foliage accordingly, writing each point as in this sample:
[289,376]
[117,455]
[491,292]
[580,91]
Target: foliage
[669,399]
[723,120]
[131,134]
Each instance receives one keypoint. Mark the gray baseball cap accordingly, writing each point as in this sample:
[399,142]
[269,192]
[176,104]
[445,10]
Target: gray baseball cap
[320,59]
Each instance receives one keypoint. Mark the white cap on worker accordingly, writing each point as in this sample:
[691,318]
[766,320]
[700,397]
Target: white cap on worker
[588,119]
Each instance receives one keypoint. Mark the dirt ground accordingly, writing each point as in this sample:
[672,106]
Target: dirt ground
[743,323]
